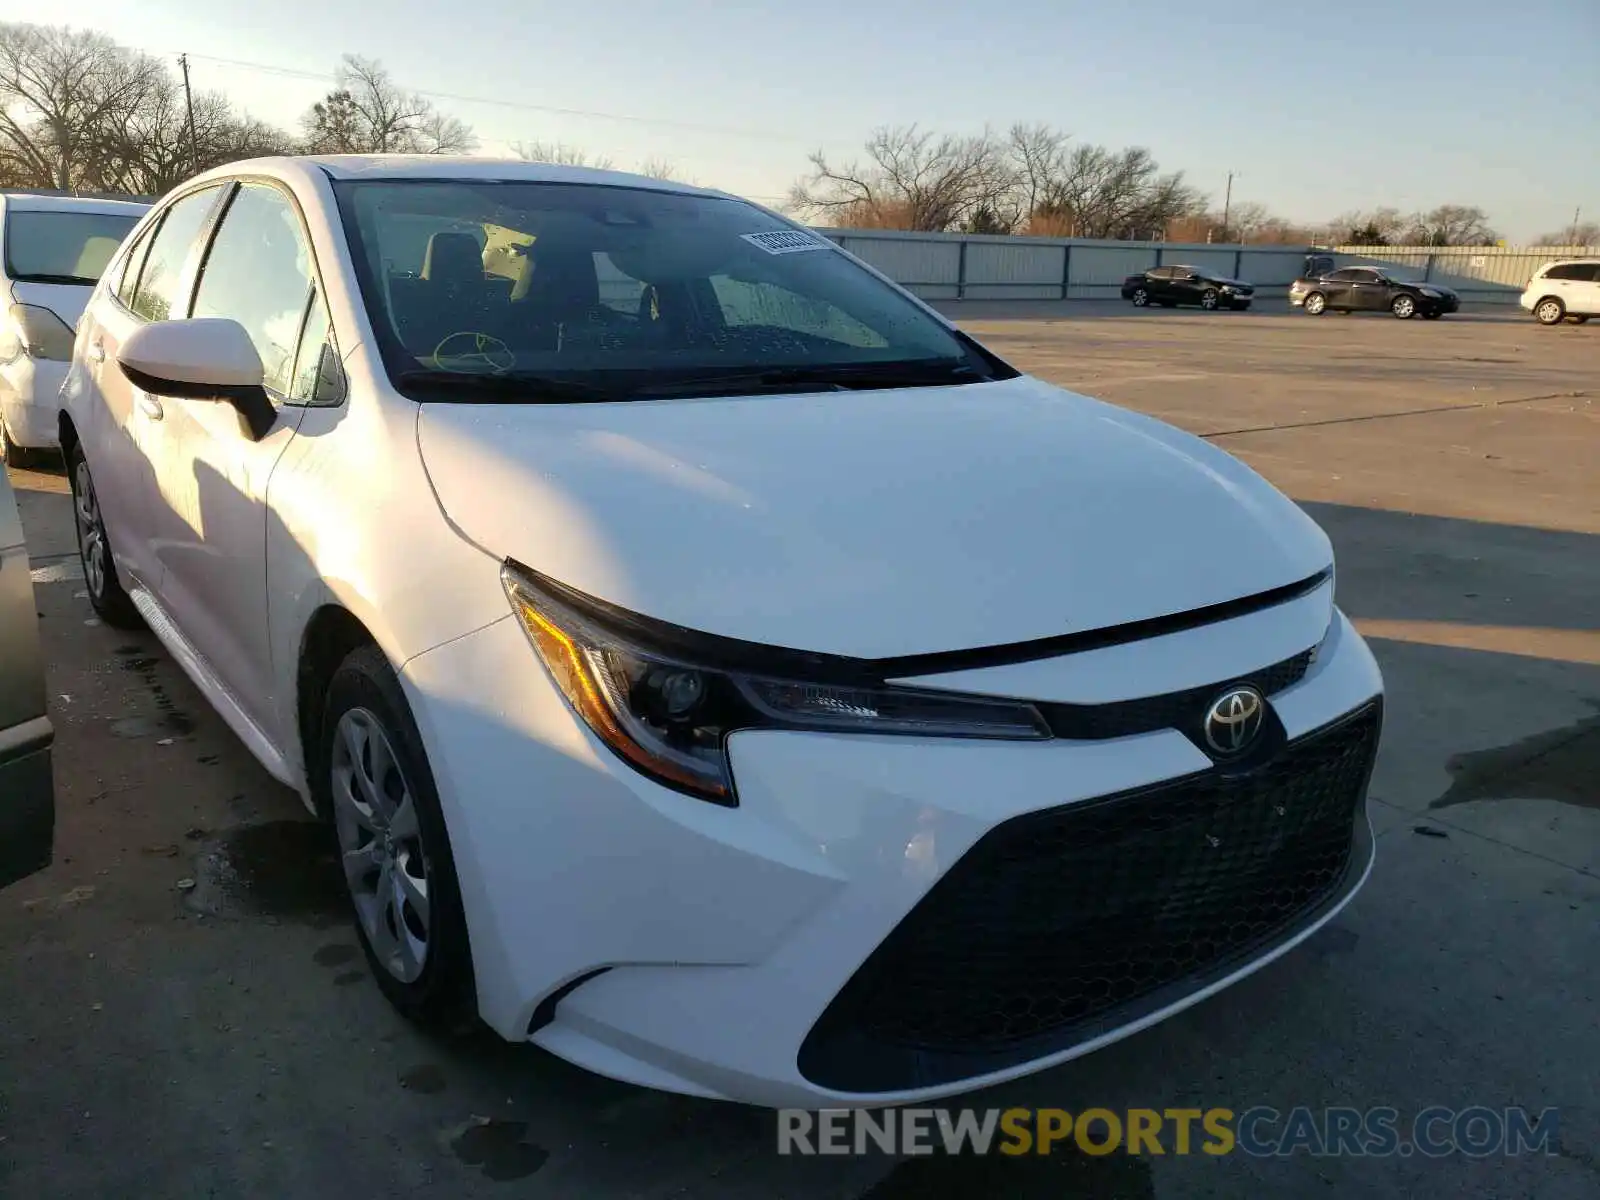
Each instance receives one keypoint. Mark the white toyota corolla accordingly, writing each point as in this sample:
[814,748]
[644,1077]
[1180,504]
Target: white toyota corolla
[715,667]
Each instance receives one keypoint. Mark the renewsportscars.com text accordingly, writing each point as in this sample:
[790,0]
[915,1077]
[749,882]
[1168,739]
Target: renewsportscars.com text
[1260,1131]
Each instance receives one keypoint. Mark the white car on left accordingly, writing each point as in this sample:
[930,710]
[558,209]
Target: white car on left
[52,252]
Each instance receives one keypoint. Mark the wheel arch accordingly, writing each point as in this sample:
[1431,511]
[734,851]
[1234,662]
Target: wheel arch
[67,430]
[329,636]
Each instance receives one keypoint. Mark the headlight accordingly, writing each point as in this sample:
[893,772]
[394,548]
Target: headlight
[37,332]
[1429,292]
[665,699]
[1227,287]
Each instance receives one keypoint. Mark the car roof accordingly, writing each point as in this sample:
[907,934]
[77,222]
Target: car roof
[30,202]
[1563,262]
[444,167]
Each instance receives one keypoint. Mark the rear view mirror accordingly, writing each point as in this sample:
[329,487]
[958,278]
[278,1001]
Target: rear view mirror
[207,358]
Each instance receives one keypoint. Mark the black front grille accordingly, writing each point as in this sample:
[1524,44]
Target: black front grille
[1173,710]
[1059,925]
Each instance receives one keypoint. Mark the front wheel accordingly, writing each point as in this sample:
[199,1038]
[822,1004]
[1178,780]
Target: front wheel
[106,597]
[1141,298]
[1404,307]
[1208,299]
[372,774]
[1316,304]
[1550,311]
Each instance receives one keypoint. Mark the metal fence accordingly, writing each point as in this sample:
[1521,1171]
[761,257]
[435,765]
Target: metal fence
[956,266]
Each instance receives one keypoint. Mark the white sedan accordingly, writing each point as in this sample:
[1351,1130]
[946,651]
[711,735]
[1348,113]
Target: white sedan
[715,667]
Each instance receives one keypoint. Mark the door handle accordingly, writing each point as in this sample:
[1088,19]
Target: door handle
[97,352]
[151,407]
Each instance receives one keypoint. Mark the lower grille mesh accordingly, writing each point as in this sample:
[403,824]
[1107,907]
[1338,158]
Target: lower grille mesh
[1056,919]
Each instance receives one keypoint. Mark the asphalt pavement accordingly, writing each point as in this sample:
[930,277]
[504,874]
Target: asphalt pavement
[184,1011]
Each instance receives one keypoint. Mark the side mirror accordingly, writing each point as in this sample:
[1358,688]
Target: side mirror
[207,358]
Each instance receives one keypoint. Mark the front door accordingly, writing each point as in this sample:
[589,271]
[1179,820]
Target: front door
[1368,291]
[120,421]
[212,517]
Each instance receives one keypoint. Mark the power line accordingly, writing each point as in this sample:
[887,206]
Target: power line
[520,105]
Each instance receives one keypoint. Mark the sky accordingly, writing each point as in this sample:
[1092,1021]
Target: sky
[1317,108]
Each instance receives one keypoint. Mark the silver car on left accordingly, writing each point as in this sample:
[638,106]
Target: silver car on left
[27,792]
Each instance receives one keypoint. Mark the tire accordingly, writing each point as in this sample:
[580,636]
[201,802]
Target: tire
[1432,316]
[1578,320]
[1316,304]
[12,454]
[109,601]
[1550,311]
[1140,297]
[1403,306]
[1209,299]
[369,771]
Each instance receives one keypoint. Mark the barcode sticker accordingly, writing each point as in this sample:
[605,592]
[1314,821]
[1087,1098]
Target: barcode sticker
[785,241]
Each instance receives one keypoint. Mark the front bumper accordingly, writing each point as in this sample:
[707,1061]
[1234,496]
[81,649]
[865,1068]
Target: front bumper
[30,401]
[703,945]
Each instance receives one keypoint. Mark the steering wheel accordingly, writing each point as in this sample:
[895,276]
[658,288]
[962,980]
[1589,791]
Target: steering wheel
[477,352]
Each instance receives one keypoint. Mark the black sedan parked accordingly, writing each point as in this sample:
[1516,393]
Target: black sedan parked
[1373,289]
[1175,285]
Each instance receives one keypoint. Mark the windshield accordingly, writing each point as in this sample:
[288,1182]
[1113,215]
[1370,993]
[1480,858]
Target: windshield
[561,292]
[63,247]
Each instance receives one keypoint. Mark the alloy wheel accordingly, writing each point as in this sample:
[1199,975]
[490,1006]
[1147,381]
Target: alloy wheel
[1315,303]
[380,844]
[1404,307]
[91,530]
[1208,299]
[1140,297]
[1549,312]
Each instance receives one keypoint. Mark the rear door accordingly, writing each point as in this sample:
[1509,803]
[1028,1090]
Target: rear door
[1584,289]
[121,419]
[1159,281]
[1336,287]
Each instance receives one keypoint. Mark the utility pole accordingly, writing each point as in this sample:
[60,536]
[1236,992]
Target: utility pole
[1227,207]
[188,100]
[1572,238]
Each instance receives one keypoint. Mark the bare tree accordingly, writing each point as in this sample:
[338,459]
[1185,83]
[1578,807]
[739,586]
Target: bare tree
[1379,227]
[149,150]
[932,183]
[368,113]
[60,89]
[560,154]
[664,169]
[1038,159]
[1584,233]
[1102,193]
[1453,225]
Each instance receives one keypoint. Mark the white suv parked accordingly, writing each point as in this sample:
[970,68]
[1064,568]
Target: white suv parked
[1564,290]
[55,248]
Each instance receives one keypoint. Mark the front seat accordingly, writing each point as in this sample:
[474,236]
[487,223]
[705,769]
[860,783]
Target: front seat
[452,295]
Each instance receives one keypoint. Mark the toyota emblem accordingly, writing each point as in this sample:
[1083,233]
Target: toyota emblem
[1234,719]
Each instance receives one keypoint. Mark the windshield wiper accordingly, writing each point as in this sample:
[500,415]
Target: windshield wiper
[83,280]
[833,377]
[523,386]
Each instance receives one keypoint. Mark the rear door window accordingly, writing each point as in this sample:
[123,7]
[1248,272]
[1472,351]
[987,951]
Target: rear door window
[157,297]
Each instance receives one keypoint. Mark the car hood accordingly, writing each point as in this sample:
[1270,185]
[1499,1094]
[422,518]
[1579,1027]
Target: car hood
[66,300]
[871,524]
[1233,282]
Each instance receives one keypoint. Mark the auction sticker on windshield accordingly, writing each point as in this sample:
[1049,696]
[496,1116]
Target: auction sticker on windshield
[785,241]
